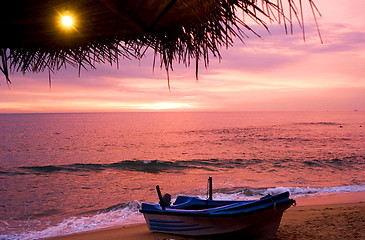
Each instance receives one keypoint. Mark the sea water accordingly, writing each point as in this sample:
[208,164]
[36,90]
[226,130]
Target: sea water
[67,173]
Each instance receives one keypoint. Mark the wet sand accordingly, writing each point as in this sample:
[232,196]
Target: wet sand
[330,217]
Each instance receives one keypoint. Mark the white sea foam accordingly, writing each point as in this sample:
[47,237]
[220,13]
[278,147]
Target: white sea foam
[304,191]
[294,192]
[120,217]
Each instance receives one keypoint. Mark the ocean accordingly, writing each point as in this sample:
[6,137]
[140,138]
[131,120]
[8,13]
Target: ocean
[68,173]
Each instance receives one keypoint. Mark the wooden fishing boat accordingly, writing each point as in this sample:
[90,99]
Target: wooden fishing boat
[193,216]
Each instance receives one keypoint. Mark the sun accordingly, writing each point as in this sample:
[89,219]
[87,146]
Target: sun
[67,21]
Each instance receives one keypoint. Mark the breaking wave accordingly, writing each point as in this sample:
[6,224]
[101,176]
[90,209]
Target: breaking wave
[247,193]
[120,215]
[156,166]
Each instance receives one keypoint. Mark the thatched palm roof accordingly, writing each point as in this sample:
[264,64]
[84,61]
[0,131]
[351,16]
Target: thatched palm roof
[177,30]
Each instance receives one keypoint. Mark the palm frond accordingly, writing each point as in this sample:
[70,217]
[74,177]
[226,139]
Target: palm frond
[106,30]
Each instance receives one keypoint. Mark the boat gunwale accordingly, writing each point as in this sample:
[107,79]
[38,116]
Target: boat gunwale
[204,213]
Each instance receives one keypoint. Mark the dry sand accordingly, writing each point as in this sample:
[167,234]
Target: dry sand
[334,220]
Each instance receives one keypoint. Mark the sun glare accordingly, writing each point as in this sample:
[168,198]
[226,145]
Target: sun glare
[163,106]
[67,21]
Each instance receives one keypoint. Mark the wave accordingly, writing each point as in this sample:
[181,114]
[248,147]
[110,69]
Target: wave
[116,216]
[156,166]
[247,193]
[148,166]
[128,213]
[320,123]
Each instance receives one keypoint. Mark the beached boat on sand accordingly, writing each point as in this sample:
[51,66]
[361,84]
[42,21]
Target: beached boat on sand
[193,216]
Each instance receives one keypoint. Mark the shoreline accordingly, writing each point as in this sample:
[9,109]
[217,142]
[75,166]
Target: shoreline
[331,198]
[335,216]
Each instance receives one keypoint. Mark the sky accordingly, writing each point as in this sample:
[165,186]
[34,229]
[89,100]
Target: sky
[277,72]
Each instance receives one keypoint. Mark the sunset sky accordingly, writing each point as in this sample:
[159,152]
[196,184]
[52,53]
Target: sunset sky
[277,72]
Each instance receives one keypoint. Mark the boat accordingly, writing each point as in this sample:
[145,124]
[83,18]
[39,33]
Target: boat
[194,216]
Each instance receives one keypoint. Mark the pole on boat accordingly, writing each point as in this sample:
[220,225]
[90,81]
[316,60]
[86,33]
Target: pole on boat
[210,191]
[160,197]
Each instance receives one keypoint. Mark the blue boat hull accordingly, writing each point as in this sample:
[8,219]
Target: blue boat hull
[258,219]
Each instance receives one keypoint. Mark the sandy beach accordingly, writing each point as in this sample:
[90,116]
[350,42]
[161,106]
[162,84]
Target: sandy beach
[329,217]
